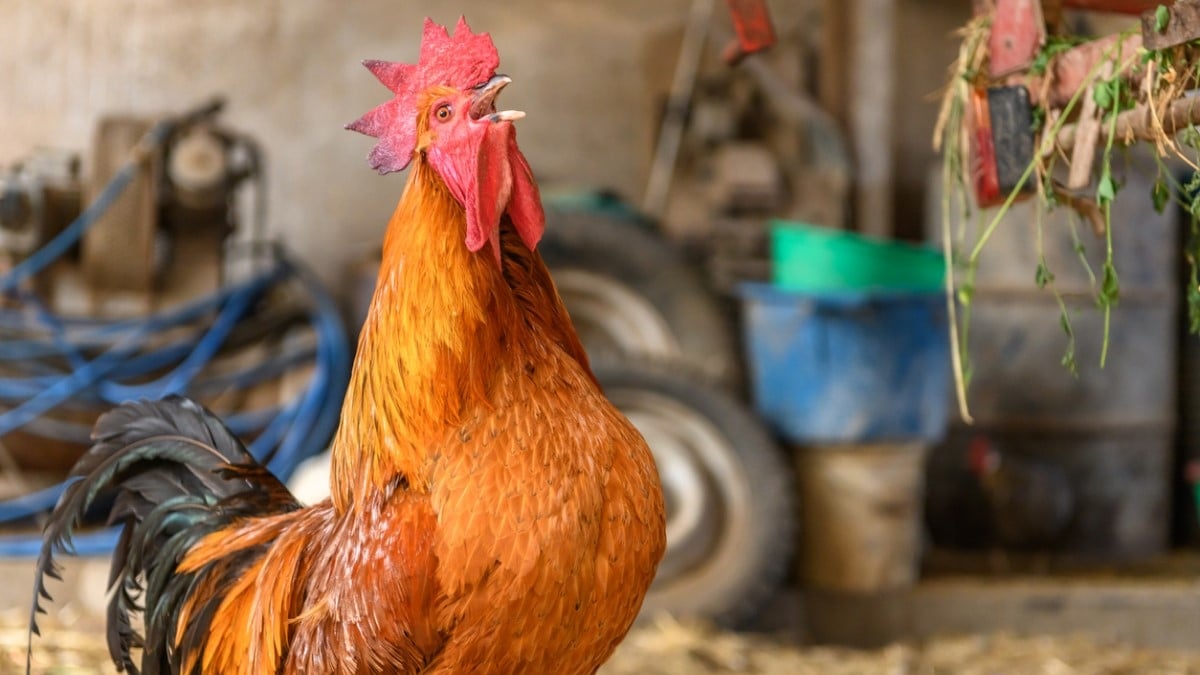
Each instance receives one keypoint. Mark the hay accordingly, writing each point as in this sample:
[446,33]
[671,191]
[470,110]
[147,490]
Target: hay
[668,647]
[1129,94]
[63,649]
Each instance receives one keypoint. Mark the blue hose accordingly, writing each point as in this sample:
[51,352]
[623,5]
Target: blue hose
[72,363]
[285,438]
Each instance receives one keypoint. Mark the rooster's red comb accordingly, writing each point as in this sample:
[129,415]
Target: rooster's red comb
[462,61]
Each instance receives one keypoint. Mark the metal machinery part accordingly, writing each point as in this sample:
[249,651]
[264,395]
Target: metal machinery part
[118,253]
[1002,141]
[198,168]
[179,205]
[754,34]
[611,316]
[21,211]
[704,488]
[38,197]
[631,292]
[95,314]
[730,498]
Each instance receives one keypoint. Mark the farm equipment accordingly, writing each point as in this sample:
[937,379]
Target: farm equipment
[1045,91]
[123,283]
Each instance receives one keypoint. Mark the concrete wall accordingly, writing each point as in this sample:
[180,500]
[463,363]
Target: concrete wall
[292,75]
[921,75]
[589,74]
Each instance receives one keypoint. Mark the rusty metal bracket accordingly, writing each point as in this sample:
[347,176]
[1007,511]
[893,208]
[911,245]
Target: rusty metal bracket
[1182,25]
[117,254]
[755,33]
[1018,32]
[1000,106]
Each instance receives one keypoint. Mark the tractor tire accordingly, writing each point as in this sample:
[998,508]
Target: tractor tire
[730,494]
[631,291]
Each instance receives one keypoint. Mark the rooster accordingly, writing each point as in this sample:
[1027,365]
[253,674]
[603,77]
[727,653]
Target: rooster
[1031,502]
[490,510]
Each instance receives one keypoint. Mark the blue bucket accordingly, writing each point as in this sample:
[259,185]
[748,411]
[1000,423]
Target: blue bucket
[849,366]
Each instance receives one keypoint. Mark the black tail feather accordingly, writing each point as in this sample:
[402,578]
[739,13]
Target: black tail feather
[177,474]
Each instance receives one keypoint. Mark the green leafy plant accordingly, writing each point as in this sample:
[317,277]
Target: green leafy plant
[1162,17]
[1165,76]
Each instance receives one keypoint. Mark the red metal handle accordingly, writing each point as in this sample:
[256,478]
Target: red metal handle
[752,22]
[1118,6]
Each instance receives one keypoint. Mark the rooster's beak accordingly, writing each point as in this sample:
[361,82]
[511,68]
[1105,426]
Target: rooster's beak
[483,104]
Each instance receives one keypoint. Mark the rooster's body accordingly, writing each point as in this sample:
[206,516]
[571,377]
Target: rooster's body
[491,511]
[1031,501]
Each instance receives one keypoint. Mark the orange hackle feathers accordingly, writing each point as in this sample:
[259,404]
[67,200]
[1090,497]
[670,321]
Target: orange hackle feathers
[416,387]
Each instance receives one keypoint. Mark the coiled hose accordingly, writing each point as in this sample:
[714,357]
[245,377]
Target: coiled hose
[51,362]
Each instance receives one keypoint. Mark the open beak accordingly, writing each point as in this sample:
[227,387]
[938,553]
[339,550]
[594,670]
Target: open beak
[498,179]
[483,104]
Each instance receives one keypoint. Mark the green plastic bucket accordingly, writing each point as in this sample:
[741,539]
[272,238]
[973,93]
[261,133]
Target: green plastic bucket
[810,258]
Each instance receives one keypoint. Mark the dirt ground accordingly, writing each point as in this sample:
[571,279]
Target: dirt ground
[667,647]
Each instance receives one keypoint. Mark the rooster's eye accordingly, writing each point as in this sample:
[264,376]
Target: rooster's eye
[443,112]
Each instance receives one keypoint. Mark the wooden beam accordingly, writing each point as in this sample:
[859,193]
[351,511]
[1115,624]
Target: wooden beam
[1183,25]
[1117,6]
[834,73]
[1137,124]
[871,110]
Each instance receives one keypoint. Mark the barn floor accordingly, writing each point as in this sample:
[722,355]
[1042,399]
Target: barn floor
[1151,603]
[954,624]
[670,648]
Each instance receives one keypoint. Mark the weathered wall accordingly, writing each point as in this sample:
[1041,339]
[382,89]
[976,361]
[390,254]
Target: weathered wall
[920,76]
[292,75]
[589,73]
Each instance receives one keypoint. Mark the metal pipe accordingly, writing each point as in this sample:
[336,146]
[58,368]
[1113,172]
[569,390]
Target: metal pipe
[670,136]
[1137,125]
[800,111]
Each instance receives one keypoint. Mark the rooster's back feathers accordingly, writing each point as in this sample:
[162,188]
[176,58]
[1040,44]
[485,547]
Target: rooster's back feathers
[175,474]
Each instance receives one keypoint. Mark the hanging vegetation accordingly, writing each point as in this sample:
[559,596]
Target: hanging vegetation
[1084,100]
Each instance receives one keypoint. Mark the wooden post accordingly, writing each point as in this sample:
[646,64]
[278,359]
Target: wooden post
[857,88]
[872,99]
[832,84]
[1137,124]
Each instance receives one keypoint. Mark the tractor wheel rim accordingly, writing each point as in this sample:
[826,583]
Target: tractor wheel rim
[704,485]
[609,315]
